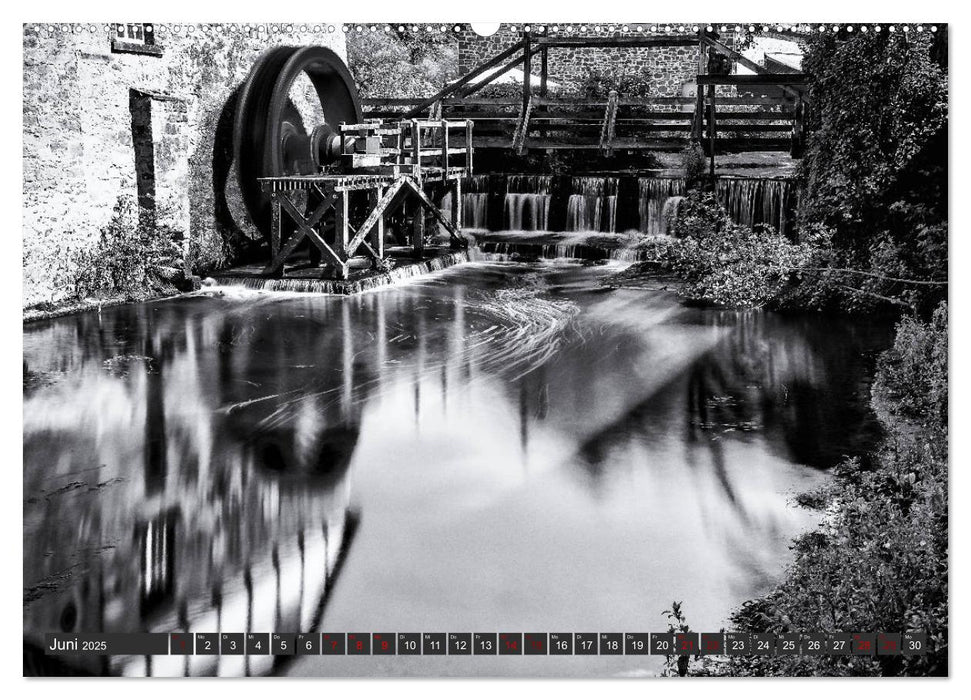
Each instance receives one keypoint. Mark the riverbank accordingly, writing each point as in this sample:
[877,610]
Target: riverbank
[879,561]
[66,307]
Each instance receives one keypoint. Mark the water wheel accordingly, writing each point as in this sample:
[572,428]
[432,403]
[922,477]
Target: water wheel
[270,138]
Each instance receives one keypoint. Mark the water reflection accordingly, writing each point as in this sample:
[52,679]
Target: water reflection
[527,449]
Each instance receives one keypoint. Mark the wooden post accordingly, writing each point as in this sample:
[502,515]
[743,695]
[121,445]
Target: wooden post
[527,68]
[798,129]
[401,144]
[608,128]
[341,224]
[444,148]
[468,148]
[418,231]
[543,80]
[416,150]
[543,70]
[275,224]
[711,129]
[418,220]
[697,124]
[457,214]
[376,196]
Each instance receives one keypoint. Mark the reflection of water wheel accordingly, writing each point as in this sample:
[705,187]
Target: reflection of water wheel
[269,136]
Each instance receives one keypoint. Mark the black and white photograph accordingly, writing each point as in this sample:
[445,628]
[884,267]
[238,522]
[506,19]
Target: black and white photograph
[415,349]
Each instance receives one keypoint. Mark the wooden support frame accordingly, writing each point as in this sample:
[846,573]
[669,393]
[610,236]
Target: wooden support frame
[378,244]
[741,60]
[428,205]
[544,70]
[458,214]
[388,202]
[712,133]
[522,127]
[697,125]
[609,126]
[783,80]
[424,153]
[305,229]
[615,42]
[462,82]
[527,72]
[418,233]
[342,223]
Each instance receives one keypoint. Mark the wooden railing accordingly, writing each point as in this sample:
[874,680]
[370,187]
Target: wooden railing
[535,120]
[416,145]
[656,123]
[728,128]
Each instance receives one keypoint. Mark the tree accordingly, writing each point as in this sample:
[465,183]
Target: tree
[386,64]
[875,168]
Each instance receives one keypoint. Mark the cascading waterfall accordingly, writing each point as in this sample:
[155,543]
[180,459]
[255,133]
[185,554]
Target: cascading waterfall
[592,206]
[475,201]
[751,201]
[606,204]
[655,193]
[527,202]
[475,210]
[526,211]
[669,212]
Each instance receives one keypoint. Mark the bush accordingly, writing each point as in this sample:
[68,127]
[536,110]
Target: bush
[911,383]
[386,65]
[693,162]
[875,167]
[598,83]
[879,563]
[128,260]
[722,262]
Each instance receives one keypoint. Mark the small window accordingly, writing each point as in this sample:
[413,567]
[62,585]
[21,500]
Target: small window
[134,37]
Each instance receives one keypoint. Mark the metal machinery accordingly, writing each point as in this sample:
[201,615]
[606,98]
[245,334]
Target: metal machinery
[333,184]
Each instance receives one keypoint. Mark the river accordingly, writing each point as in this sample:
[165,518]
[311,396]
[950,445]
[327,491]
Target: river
[495,447]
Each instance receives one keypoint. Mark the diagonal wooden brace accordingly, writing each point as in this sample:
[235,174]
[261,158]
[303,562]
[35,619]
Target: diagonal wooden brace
[368,248]
[304,229]
[276,265]
[385,205]
[430,206]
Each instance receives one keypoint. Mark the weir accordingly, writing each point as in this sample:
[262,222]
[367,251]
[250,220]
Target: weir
[752,201]
[614,203]
[331,202]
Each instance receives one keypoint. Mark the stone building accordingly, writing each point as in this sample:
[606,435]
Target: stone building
[664,71]
[129,124]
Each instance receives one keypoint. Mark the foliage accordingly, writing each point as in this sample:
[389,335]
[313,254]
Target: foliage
[723,262]
[875,168]
[693,162]
[879,561]
[598,83]
[911,381]
[407,65]
[675,664]
[126,260]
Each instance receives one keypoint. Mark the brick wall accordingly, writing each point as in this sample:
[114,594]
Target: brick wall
[666,70]
[86,111]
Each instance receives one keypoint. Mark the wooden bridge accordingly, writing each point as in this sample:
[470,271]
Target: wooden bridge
[729,113]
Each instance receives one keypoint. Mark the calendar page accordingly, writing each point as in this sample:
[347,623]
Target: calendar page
[553,349]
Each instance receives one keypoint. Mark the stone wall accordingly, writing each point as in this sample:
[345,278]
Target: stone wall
[95,106]
[667,71]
